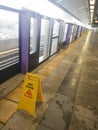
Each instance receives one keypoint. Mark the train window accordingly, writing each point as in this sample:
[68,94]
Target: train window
[33,35]
[54,46]
[55,37]
[56,28]
[75,31]
[65,33]
[62,33]
[79,31]
[9,38]
[44,40]
[72,34]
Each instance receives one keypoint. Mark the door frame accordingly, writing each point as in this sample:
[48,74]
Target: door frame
[50,34]
[33,59]
[54,37]
[28,61]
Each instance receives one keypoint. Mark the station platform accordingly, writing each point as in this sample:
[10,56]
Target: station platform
[69,83]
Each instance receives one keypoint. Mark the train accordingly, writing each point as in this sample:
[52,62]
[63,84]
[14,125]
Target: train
[28,38]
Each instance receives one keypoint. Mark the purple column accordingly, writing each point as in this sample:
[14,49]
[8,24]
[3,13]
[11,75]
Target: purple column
[68,34]
[24,39]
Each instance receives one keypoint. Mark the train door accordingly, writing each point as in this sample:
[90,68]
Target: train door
[61,35]
[75,34]
[45,39]
[72,34]
[30,37]
[79,31]
[9,43]
[34,41]
[55,37]
[65,32]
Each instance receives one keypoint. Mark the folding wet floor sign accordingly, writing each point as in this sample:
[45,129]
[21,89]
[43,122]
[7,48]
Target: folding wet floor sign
[31,93]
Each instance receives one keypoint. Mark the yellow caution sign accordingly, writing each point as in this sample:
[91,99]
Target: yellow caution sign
[31,93]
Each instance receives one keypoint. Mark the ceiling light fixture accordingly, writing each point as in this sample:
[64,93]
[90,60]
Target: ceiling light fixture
[91,11]
[96,21]
[92,2]
[91,7]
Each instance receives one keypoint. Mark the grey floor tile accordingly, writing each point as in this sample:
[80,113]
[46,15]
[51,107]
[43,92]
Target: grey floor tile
[20,121]
[58,114]
[41,127]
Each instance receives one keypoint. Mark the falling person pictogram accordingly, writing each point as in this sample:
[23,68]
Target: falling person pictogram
[28,94]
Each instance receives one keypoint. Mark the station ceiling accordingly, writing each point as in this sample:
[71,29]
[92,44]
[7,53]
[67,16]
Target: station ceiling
[81,12]
[85,11]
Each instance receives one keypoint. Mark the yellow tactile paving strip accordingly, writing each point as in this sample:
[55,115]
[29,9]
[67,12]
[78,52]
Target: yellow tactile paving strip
[14,96]
[42,77]
[7,109]
[45,72]
[53,63]
[48,67]
[9,105]
[1,125]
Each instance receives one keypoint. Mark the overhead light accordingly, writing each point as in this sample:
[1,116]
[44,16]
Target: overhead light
[91,11]
[92,2]
[91,7]
[96,21]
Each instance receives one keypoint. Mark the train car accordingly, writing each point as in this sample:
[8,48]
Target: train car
[28,38]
